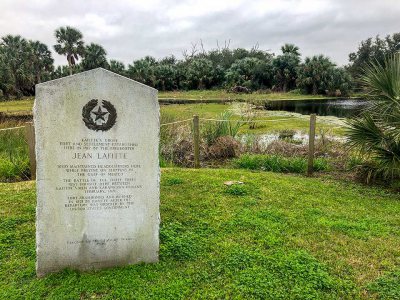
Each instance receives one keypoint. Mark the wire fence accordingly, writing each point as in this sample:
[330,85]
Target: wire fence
[181,141]
[11,128]
[199,148]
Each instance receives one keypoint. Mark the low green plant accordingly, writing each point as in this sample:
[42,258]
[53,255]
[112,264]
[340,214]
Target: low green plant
[387,286]
[237,190]
[177,242]
[286,134]
[277,163]
[165,163]
[173,181]
[226,126]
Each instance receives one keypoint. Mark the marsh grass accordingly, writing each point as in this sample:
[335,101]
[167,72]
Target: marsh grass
[225,126]
[14,159]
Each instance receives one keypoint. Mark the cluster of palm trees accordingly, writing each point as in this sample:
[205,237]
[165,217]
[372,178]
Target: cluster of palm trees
[22,64]
[25,63]
[253,69]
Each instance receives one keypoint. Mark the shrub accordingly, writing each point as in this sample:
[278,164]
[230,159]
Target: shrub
[277,163]
[287,134]
[375,134]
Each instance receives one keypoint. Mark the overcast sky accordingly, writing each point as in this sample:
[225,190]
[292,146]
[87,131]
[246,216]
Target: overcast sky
[130,29]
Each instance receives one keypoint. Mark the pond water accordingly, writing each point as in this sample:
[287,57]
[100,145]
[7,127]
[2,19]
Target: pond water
[298,138]
[341,108]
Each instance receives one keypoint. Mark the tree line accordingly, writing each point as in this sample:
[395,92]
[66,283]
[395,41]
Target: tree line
[24,63]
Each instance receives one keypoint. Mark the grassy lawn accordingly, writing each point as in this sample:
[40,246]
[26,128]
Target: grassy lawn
[275,237]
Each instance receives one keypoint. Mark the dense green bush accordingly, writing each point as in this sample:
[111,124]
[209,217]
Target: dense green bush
[277,163]
[318,75]
[250,72]
[375,134]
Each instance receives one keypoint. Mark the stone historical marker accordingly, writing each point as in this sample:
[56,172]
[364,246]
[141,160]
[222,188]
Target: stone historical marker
[97,136]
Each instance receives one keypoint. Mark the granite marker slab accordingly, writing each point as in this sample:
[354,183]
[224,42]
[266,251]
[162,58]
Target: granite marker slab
[97,137]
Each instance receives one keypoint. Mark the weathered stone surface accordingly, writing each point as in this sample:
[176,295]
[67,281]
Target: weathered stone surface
[97,172]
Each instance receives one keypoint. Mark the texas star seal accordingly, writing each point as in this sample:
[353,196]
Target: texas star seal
[103,118]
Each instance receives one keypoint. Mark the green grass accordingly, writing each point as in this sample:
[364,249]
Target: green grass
[276,163]
[13,106]
[274,237]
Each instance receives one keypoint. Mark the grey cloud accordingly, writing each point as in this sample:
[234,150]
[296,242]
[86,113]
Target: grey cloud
[129,31]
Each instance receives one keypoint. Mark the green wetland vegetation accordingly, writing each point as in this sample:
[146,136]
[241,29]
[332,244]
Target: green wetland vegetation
[14,164]
[274,237]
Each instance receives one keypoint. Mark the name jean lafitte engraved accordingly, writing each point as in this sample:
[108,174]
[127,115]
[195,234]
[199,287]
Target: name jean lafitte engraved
[100,155]
[97,136]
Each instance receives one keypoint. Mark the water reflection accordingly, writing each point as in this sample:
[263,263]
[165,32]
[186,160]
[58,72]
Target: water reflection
[339,108]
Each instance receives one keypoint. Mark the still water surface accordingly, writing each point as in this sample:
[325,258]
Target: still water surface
[338,108]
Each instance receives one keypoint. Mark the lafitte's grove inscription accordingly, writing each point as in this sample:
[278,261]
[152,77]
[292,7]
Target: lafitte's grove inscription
[98,177]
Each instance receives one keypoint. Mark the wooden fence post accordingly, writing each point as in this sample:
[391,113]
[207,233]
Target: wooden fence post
[196,140]
[30,139]
[311,141]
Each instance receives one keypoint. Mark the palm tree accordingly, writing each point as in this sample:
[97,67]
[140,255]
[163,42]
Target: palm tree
[117,67]
[16,56]
[315,74]
[95,57]
[42,61]
[285,70]
[376,133]
[200,73]
[290,49]
[142,70]
[69,43]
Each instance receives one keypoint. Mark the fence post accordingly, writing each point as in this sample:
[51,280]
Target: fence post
[30,139]
[196,140]
[311,141]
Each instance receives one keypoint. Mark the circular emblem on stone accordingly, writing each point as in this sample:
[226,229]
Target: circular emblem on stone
[98,116]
